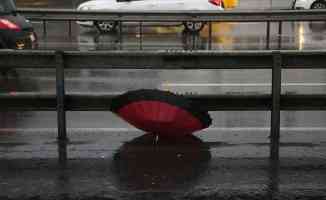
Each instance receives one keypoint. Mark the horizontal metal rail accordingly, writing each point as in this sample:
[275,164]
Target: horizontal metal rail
[157,60]
[164,60]
[175,16]
[102,102]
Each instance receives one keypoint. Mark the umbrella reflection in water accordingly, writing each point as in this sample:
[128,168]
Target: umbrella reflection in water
[168,164]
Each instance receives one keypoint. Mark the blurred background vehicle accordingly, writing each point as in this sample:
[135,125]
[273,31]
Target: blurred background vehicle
[109,26]
[16,32]
[309,4]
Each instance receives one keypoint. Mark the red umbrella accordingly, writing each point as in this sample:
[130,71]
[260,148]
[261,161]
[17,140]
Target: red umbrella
[160,112]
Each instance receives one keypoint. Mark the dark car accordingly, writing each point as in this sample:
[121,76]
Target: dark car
[16,32]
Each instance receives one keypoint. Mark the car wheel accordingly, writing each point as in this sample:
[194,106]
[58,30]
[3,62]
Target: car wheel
[318,5]
[105,27]
[193,26]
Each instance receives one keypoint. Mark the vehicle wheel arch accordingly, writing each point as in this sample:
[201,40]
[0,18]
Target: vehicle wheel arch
[316,2]
[110,26]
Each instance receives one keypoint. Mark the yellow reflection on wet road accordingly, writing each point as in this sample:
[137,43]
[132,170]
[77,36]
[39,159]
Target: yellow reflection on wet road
[301,36]
[221,33]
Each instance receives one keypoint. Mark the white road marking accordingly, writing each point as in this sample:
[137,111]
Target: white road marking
[236,84]
[167,84]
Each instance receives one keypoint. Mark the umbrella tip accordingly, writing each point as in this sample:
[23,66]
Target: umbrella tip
[156,139]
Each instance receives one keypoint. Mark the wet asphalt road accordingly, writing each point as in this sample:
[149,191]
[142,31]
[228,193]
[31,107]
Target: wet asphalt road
[109,159]
[225,36]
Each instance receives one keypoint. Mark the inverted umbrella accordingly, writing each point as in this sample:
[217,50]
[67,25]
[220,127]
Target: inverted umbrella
[160,112]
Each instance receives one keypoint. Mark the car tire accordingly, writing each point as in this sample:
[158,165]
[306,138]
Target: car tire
[318,5]
[193,26]
[106,26]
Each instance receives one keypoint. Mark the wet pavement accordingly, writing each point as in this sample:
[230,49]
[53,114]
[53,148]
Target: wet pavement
[189,174]
[109,159]
[225,36]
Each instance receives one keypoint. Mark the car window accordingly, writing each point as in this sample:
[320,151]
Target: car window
[7,6]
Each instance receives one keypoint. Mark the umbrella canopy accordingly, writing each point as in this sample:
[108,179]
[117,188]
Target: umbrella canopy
[160,112]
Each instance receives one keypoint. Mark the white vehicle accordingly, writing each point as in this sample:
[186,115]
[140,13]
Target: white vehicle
[147,5]
[309,4]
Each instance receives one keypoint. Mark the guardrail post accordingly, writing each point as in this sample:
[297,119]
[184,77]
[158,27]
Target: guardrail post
[194,37]
[209,35]
[44,29]
[61,113]
[70,28]
[276,99]
[280,34]
[120,35]
[140,36]
[268,32]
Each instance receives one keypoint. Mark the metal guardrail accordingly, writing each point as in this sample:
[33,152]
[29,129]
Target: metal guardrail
[268,16]
[188,60]
[176,15]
